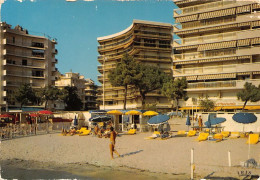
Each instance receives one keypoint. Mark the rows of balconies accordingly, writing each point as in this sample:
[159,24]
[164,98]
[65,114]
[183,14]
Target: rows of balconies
[121,42]
[29,64]
[23,74]
[26,54]
[34,45]
[217,53]
[217,69]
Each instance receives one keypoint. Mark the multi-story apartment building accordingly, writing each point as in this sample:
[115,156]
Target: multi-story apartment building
[149,43]
[218,49]
[24,58]
[71,79]
[90,95]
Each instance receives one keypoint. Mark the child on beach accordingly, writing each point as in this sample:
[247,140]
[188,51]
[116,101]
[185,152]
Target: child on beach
[113,142]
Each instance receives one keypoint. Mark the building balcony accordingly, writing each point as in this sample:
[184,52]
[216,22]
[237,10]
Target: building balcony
[54,51]
[4,93]
[33,45]
[220,85]
[33,65]
[216,69]
[25,55]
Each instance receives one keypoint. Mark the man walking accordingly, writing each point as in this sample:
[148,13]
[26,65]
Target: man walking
[113,142]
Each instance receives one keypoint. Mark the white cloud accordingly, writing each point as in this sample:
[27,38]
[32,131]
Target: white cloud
[20,0]
[96,7]
[33,0]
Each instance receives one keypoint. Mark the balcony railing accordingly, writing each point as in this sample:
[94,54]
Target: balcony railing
[24,44]
[24,54]
[217,84]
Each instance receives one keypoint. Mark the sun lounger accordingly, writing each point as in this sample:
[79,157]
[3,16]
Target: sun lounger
[234,135]
[85,133]
[203,136]
[81,130]
[191,133]
[253,139]
[225,134]
[131,131]
[218,136]
[155,135]
[181,133]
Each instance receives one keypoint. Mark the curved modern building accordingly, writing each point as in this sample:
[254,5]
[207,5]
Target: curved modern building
[218,50]
[149,43]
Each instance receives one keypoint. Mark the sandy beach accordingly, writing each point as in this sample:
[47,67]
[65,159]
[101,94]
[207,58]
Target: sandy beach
[171,156]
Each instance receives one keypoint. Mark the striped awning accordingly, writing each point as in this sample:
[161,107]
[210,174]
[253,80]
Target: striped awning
[232,107]
[255,23]
[256,6]
[244,57]
[244,24]
[219,13]
[218,59]
[255,40]
[186,18]
[257,72]
[218,27]
[243,73]
[187,32]
[243,9]
[220,45]
[217,76]
[185,62]
[191,78]
[187,47]
[243,42]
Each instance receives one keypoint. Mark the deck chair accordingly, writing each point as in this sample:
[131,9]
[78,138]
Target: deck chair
[85,132]
[203,137]
[191,133]
[155,135]
[131,132]
[81,130]
[234,135]
[225,134]
[218,136]
[253,139]
[181,133]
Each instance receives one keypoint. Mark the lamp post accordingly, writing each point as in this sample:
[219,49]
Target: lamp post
[104,83]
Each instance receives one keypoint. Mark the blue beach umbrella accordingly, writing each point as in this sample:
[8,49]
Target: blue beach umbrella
[75,121]
[217,120]
[188,120]
[159,119]
[244,118]
[208,123]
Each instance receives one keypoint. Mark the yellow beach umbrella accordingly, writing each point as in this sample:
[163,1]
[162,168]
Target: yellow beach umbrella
[150,113]
[133,112]
[115,112]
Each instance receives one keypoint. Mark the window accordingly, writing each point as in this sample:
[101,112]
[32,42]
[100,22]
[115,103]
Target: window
[13,39]
[24,62]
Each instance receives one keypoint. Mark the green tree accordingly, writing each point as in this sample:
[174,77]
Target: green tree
[25,94]
[147,79]
[175,90]
[49,93]
[71,99]
[123,74]
[207,104]
[249,93]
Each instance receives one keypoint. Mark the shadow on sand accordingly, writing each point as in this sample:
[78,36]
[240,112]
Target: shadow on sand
[209,176]
[131,153]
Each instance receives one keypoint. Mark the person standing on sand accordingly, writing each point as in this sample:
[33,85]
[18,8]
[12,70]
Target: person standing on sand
[113,142]
[200,123]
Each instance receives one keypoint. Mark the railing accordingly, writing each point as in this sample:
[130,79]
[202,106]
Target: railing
[11,131]
[21,43]
[217,84]
[115,44]
[205,70]
[198,55]
[197,8]
[203,39]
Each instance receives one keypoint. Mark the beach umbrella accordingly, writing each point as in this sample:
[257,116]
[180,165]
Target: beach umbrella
[159,119]
[46,112]
[75,121]
[217,120]
[133,112]
[115,112]
[208,123]
[101,118]
[6,116]
[244,118]
[150,113]
[34,115]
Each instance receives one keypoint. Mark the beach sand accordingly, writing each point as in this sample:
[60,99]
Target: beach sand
[171,156]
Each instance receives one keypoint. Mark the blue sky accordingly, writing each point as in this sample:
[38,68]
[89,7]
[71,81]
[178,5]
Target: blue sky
[76,25]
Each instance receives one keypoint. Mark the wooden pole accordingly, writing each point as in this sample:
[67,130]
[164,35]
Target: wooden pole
[229,159]
[192,164]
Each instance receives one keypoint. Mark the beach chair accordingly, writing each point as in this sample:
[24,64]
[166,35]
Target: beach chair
[191,133]
[225,134]
[131,132]
[181,133]
[81,130]
[234,135]
[85,132]
[155,135]
[218,136]
[203,137]
[253,139]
